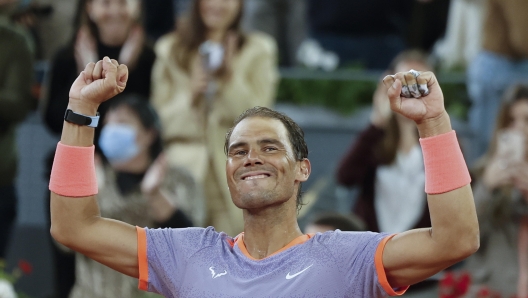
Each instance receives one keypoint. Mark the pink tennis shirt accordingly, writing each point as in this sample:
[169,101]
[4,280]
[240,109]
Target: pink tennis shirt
[198,262]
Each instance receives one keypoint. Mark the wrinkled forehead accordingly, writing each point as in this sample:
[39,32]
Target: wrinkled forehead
[253,129]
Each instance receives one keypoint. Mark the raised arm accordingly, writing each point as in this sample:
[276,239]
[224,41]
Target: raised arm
[75,219]
[414,255]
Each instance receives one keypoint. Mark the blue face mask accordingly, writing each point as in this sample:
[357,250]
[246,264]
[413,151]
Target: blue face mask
[118,142]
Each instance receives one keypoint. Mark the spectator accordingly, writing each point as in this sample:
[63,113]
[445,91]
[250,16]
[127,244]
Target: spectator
[135,186]
[505,52]
[16,77]
[103,28]
[463,37]
[386,163]
[285,20]
[199,96]
[334,221]
[391,197]
[501,197]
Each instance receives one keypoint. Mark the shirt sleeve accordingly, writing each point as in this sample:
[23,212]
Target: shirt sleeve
[359,257]
[163,256]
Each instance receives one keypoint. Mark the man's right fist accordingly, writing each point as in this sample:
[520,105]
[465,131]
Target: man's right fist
[98,82]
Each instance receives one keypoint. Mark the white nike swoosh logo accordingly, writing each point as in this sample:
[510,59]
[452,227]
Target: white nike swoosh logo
[288,276]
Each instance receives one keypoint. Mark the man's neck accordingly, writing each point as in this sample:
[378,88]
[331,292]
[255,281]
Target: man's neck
[267,231]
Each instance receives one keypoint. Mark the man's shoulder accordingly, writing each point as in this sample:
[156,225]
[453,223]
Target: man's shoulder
[193,237]
[339,238]
[184,242]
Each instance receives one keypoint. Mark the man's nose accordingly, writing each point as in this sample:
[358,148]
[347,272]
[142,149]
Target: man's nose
[253,158]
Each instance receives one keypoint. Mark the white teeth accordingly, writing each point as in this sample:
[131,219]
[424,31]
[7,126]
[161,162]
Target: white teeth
[255,177]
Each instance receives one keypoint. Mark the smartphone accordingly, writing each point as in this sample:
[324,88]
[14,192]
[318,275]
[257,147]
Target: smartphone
[511,146]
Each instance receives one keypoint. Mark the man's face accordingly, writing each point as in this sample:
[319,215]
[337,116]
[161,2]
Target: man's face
[261,169]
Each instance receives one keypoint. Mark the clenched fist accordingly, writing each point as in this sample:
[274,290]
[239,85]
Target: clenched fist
[418,96]
[97,83]
[415,95]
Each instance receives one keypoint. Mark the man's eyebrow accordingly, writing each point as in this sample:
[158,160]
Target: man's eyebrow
[235,145]
[270,141]
[260,142]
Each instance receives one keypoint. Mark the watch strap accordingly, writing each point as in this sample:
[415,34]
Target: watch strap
[80,119]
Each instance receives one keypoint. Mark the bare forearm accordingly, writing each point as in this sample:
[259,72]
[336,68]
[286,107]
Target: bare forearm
[454,234]
[76,221]
[75,209]
[454,223]
[69,214]
[453,213]
[434,127]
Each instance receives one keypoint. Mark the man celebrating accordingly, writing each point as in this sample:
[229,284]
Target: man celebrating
[266,164]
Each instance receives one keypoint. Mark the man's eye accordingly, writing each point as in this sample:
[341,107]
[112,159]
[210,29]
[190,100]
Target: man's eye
[268,149]
[240,152]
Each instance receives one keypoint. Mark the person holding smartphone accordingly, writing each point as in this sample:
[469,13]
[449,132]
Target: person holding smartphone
[206,73]
[501,196]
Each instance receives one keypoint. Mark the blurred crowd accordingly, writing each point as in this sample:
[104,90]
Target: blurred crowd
[195,65]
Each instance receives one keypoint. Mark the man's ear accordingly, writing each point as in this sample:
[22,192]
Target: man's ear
[305,168]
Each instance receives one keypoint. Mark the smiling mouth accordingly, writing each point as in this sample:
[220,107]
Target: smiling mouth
[256,177]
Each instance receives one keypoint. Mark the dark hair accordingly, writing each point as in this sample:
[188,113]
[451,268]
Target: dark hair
[192,33]
[502,203]
[147,116]
[83,19]
[295,135]
[339,221]
[512,95]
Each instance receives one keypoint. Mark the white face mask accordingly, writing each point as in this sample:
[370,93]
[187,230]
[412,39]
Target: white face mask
[118,142]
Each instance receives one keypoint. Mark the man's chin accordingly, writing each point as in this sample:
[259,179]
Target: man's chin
[253,199]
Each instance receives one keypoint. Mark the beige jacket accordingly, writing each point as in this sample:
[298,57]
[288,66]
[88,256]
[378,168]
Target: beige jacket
[194,136]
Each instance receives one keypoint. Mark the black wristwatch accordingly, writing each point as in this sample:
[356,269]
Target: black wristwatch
[81,119]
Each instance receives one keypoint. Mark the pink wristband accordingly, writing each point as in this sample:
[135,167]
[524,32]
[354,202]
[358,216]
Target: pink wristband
[445,167]
[73,171]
